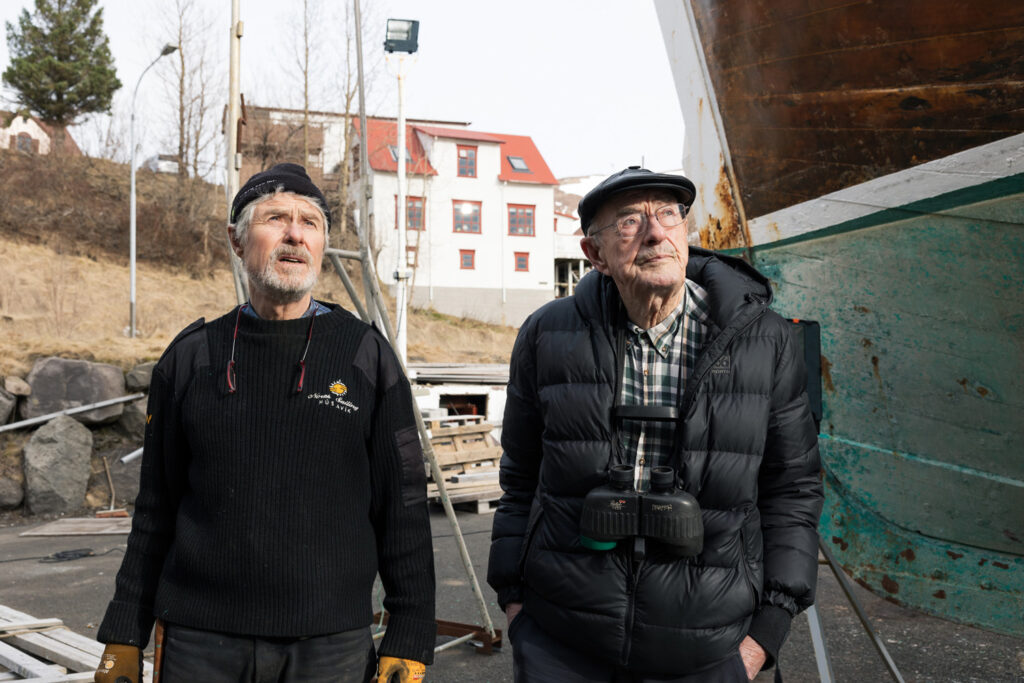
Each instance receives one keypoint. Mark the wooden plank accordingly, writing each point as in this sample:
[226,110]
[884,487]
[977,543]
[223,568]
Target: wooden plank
[67,656]
[82,526]
[24,665]
[78,652]
[476,455]
[29,624]
[484,428]
[63,635]
[65,678]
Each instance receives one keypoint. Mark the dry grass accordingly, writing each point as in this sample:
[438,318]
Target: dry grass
[60,304]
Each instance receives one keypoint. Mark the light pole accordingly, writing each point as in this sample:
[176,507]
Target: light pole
[401,36]
[168,49]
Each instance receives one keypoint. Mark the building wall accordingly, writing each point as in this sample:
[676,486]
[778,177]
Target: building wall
[438,280]
[485,304]
[28,126]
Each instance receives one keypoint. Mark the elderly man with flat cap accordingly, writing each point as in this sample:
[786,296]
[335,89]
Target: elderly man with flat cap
[660,468]
[282,471]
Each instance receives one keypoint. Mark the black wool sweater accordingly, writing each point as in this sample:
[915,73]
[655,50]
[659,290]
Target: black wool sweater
[269,511]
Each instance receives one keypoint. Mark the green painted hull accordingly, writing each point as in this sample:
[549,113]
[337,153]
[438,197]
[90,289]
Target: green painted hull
[922,322]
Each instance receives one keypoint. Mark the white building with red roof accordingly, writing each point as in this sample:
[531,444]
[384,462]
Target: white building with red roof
[480,218]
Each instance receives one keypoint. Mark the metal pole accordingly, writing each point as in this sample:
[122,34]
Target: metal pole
[844,583]
[349,287]
[374,296]
[234,159]
[131,198]
[401,268]
[70,411]
[820,650]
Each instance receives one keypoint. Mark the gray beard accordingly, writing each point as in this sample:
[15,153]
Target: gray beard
[279,288]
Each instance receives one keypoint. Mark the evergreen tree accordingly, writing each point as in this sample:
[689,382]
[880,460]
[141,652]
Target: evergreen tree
[60,65]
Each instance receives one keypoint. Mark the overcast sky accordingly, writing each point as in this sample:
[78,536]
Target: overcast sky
[588,80]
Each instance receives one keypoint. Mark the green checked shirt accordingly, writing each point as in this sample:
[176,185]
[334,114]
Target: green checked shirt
[658,361]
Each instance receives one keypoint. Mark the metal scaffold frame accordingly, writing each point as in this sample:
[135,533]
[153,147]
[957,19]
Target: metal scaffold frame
[371,309]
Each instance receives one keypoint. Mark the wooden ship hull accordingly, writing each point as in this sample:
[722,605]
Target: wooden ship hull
[868,158]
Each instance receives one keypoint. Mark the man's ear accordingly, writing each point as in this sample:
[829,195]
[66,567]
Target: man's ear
[592,249]
[235,246]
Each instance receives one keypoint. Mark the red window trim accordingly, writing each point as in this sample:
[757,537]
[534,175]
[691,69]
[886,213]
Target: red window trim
[455,213]
[516,255]
[458,157]
[508,219]
[408,198]
[471,253]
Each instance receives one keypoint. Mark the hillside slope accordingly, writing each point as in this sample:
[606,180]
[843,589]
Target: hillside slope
[64,281]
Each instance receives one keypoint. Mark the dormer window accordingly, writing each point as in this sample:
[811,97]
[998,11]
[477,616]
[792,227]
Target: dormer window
[518,164]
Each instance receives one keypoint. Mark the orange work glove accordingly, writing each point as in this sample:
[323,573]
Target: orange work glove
[119,664]
[395,670]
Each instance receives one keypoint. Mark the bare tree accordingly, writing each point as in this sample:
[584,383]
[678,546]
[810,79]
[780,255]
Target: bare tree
[196,85]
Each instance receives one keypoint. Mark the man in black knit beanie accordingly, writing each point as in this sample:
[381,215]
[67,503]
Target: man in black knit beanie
[282,471]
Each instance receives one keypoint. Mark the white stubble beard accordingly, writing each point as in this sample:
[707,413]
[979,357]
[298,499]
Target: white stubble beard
[283,289]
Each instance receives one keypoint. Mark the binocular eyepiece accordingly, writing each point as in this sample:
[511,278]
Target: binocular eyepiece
[614,512]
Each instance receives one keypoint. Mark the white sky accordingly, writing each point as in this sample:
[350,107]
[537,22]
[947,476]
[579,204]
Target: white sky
[588,80]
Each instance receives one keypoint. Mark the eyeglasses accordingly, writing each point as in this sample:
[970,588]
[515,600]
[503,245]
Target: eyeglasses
[632,224]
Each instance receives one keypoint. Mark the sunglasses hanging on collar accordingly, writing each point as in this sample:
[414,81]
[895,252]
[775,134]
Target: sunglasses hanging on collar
[232,374]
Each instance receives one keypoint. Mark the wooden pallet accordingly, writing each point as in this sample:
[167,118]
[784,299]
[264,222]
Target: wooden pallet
[468,457]
[45,651]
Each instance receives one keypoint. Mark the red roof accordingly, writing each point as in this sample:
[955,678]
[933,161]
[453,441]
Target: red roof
[522,146]
[459,134]
[381,135]
[384,132]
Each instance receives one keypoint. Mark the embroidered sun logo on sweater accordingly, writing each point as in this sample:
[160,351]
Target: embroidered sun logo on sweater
[336,391]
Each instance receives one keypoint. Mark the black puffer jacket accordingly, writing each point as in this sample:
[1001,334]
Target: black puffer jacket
[747,450]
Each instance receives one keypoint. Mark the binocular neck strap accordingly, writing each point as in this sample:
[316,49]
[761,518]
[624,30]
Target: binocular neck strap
[622,412]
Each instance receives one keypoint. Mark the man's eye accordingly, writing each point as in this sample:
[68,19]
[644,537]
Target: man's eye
[669,212]
[629,222]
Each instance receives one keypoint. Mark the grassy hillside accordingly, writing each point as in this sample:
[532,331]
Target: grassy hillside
[64,270]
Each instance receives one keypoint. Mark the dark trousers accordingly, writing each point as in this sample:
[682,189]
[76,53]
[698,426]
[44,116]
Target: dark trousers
[191,655]
[539,658]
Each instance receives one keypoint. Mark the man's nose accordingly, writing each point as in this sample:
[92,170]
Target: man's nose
[294,231]
[655,230]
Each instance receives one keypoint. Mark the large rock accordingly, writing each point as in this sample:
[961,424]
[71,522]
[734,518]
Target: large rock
[17,385]
[133,421]
[11,494]
[58,384]
[7,403]
[137,379]
[57,466]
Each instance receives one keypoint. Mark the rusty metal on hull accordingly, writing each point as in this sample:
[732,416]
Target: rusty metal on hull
[816,96]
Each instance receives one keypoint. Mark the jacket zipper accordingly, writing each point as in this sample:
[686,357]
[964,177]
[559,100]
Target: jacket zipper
[688,398]
[632,580]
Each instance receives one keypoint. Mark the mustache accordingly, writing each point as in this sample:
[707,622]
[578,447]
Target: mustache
[647,255]
[286,250]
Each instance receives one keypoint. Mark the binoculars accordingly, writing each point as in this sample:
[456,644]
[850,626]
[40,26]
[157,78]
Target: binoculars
[615,512]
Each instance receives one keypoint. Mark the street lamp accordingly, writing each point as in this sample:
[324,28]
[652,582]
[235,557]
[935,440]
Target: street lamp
[167,49]
[401,36]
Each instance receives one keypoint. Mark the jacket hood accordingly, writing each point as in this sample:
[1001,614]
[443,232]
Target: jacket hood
[730,282]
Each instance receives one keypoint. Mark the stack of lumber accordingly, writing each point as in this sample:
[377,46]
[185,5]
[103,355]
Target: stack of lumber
[44,651]
[468,456]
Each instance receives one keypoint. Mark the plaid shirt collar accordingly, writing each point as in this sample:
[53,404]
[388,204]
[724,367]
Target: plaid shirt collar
[694,306]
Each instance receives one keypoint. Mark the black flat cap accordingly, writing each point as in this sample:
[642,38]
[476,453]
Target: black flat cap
[292,177]
[633,178]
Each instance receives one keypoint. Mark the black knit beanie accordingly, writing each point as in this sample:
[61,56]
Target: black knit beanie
[291,177]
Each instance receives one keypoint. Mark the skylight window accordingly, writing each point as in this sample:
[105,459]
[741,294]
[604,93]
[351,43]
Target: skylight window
[394,154]
[518,164]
